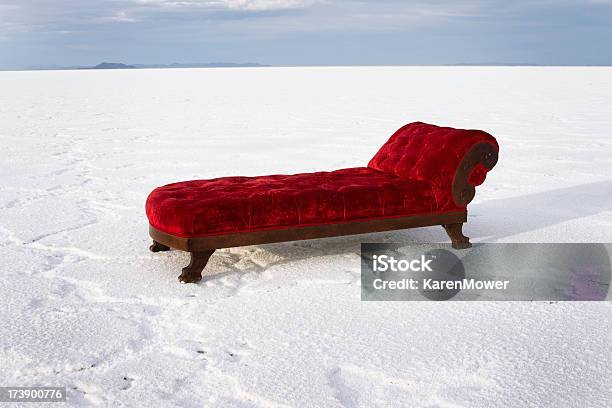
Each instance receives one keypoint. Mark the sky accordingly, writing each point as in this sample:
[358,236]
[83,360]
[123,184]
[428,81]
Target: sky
[37,33]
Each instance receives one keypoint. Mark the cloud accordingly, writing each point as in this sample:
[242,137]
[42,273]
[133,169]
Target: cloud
[267,4]
[249,5]
[274,15]
[38,15]
[123,17]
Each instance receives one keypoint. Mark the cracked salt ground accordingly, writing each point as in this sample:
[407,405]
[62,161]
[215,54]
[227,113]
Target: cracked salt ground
[85,305]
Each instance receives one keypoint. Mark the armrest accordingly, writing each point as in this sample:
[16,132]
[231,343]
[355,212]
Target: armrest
[472,171]
[454,161]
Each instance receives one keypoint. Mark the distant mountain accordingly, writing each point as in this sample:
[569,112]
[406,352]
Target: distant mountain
[112,65]
[120,65]
[202,65]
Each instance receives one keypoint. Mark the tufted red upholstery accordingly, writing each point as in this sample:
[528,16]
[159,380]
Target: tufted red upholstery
[411,174]
[420,151]
[237,204]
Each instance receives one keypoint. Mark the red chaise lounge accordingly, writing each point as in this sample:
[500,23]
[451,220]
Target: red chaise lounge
[424,175]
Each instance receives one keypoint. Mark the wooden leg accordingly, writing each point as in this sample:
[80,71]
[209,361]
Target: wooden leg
[157,247]
[454,232]
[193,272]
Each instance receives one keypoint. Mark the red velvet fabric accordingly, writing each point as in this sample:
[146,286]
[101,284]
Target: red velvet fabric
[411,174]
[420,151]
[478,175]
[238,204]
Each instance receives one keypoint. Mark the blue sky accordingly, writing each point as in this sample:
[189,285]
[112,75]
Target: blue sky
[305,32]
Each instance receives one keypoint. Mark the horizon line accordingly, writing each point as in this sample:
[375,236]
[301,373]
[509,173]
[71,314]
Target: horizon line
[218,65]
